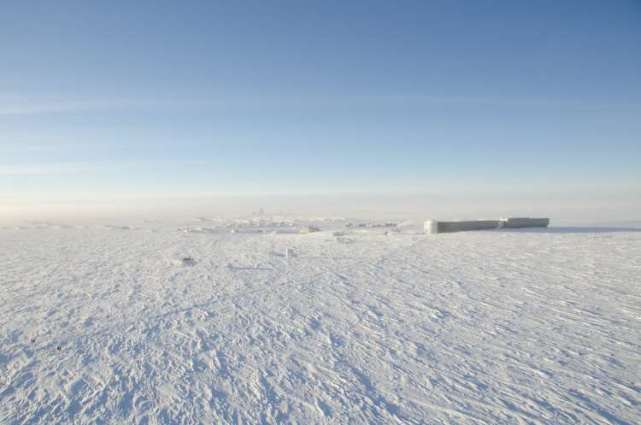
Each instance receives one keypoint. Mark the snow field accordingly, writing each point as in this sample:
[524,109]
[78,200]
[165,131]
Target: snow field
[108,325]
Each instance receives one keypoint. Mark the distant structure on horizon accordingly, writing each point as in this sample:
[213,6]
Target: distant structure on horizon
[435,226]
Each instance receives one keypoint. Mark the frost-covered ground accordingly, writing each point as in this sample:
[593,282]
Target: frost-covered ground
[108,324]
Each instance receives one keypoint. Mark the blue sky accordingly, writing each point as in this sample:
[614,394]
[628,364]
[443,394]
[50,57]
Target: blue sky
[298,97]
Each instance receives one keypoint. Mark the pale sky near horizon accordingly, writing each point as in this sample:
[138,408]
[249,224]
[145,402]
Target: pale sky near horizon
[536,101]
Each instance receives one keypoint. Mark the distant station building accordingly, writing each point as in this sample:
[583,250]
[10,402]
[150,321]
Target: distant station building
[435,226]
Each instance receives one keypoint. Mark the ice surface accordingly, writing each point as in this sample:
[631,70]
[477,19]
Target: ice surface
[105,324]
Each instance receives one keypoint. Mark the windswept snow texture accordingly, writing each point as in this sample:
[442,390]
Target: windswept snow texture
[109,324]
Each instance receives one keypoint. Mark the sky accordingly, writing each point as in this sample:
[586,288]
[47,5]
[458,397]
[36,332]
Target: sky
[527,104]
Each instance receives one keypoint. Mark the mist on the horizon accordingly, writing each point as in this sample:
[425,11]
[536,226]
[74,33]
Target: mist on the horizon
[625,207]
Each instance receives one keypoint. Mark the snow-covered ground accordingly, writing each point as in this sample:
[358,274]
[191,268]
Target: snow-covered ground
[110,324]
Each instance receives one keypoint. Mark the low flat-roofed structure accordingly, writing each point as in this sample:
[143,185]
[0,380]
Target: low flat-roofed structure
[435,226]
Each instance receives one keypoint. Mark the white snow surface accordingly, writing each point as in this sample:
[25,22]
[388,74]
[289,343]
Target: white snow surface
[110,324]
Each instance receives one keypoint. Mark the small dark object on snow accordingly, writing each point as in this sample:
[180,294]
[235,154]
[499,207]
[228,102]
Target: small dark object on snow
[59,348]
[188,261]
[33,340]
